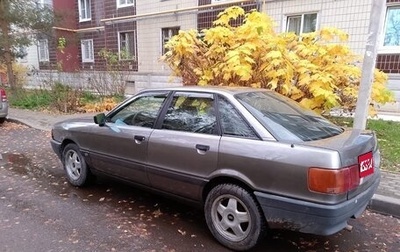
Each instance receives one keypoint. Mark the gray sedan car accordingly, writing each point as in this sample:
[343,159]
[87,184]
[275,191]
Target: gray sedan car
[3,105]
[251,158]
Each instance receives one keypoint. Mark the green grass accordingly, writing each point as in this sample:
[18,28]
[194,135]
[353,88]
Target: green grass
[388,134]
[58,98]
[30,99]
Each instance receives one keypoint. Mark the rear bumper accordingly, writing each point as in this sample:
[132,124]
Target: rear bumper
[310,217]
[3,110]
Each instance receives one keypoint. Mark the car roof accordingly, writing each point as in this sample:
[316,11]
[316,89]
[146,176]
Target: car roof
[213,89]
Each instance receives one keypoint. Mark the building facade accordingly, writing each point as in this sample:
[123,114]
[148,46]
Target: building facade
[136,31]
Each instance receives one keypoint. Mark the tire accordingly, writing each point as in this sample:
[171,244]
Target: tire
[234,217]
[2,120]
[76,169]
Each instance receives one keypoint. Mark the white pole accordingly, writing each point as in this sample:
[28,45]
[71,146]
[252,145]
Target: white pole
[364,93]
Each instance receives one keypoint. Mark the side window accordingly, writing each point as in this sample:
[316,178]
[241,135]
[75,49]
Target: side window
[143,111]
[191,112]
[231,122]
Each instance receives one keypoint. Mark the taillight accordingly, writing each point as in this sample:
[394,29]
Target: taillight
[333,181]
[3,96]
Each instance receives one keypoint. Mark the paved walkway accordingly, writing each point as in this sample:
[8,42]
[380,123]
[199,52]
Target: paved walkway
[386,200]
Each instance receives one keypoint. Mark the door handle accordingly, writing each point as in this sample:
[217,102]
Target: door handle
[139,138]
[202,147]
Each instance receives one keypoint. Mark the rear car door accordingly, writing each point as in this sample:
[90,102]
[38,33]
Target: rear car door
[120,147]
[183,150]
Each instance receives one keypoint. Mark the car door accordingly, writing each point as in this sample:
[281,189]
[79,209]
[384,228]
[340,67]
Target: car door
[120,147]
[183,151]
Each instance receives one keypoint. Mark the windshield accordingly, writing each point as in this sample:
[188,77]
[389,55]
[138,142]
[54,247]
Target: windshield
[286,119]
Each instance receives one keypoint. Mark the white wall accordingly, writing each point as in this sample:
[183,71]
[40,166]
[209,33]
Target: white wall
[149,30]
[31,60]
[349,15]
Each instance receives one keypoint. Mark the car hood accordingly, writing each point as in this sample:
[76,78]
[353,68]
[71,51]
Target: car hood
[84,119]
[74,122]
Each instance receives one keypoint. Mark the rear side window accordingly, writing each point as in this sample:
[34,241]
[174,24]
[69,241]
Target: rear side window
[191,112]
[231,122]
[286,119]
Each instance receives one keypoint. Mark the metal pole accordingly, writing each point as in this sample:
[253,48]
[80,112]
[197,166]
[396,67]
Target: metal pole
[264,7]
[364,93]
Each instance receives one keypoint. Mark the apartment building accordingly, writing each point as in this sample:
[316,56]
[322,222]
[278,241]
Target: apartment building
[138,30]
[31,59]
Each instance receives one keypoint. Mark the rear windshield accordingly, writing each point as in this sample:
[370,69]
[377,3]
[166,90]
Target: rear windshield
[286,119]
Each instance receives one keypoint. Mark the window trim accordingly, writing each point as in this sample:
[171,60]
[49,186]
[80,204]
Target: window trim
[134,46]
[382,49]
[88,6]
[125,4]
[163,51]
[302,14]
[84,59]
[46,57]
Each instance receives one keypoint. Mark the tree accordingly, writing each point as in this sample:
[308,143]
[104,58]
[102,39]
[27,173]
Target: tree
[20,21]
[313,68]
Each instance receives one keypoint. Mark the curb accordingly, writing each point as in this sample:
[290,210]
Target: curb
[30,125]
[385,205]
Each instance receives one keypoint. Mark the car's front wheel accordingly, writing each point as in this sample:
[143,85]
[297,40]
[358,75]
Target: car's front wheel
[234,217]
[77,171]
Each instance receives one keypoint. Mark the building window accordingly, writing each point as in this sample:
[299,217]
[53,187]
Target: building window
[43,50]
[126,49]
[85,12]
[166,35]
[87,50]
[392,27]
[302,23]
[124,3]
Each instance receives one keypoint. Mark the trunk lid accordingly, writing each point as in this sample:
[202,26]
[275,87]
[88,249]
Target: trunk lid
[355,147]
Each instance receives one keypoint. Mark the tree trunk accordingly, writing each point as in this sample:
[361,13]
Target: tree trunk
[10,71]
[8,57]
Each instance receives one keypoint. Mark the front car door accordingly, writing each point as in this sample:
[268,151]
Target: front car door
[183,150]
[120,147]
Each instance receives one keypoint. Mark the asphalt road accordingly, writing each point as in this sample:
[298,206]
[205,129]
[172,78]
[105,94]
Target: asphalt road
[40,211]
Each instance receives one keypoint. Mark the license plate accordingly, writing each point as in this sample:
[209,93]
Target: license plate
[366,164]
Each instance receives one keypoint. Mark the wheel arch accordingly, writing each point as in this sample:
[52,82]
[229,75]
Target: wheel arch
[65,142]
[226,179]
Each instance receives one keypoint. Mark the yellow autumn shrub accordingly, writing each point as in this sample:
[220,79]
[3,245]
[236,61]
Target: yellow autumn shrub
[20,72]
[105,104]
[316,69]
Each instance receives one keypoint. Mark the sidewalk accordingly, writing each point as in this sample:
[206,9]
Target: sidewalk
[386,200]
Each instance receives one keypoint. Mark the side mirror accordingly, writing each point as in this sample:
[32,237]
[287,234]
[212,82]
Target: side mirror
[100,119]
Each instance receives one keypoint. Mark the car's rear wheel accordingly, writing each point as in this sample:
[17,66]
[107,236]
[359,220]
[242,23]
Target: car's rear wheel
[234,217]
[2,119]
[77,171]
